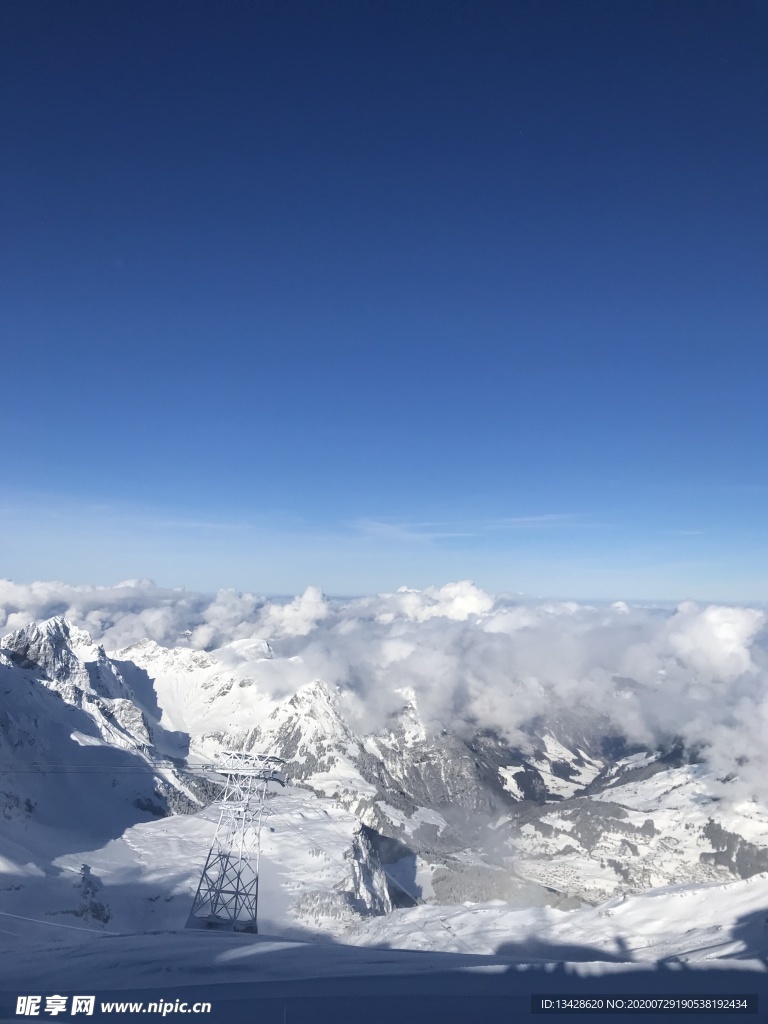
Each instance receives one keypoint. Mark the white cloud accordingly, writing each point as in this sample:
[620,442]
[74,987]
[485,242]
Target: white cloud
[470,659]
[716,641]
[299,617]
[456,601]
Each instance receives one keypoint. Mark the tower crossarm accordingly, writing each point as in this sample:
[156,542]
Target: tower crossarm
[237,765]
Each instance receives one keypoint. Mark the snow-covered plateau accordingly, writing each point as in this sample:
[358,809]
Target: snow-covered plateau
[411,843]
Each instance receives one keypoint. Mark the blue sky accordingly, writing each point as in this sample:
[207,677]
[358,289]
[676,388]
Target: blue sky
[364,295]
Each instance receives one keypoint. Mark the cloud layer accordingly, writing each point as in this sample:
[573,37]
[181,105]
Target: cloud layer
[470,659]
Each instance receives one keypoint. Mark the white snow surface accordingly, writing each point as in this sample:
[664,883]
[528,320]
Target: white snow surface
[689,923]
[704,926]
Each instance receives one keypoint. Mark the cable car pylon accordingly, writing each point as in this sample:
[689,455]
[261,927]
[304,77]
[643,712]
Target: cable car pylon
[227,896]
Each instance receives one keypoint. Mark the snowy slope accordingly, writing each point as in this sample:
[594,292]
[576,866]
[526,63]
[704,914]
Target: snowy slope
[197,692]
[273,981]
[64,705]
[689,923]
[712,928]
[318,875]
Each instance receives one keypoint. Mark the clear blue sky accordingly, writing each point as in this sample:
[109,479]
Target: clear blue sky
[364,294]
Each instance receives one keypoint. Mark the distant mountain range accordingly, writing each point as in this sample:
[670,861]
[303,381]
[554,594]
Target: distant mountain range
[573,818]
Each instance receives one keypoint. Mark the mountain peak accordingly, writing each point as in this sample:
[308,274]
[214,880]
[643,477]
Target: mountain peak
[66,656]
[312,716]
[50,646]
[316,690]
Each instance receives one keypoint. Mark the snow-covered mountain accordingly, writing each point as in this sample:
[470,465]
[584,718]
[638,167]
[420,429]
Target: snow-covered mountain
[67,709]
[103,821]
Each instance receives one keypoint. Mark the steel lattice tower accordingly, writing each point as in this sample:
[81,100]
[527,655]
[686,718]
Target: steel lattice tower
[228,894]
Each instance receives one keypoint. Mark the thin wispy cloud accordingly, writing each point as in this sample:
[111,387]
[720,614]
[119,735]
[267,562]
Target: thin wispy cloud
[533,522]
[425,532]
[408,531]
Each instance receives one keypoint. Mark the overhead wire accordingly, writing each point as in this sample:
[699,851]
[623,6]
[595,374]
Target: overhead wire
[58,924]
[75,767]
